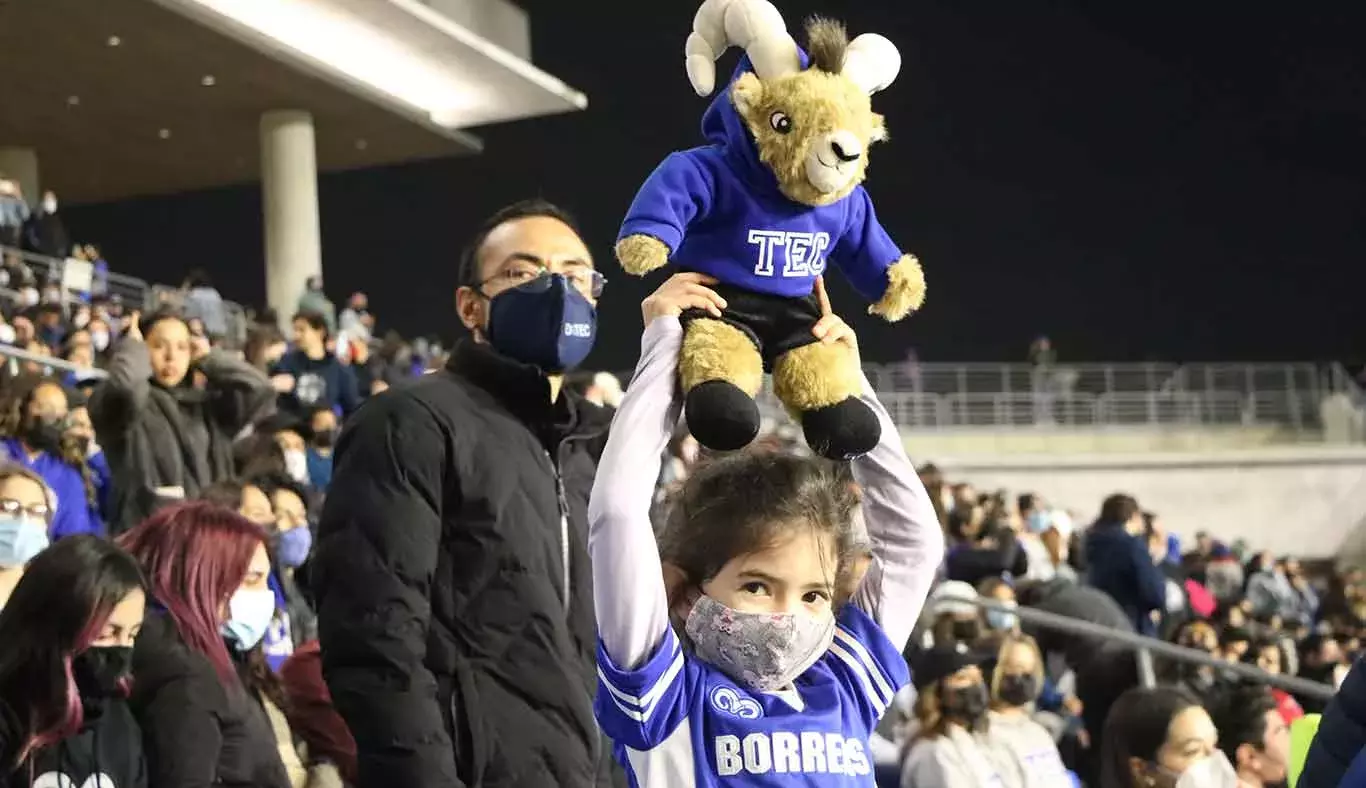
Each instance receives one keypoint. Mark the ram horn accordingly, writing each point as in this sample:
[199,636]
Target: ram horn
[753,25]
[871,62]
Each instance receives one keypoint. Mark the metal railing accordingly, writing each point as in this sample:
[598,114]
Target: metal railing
[14,355]
[1144,648]
[1287,397]
[1307,379]
[1289,411]
[134,292]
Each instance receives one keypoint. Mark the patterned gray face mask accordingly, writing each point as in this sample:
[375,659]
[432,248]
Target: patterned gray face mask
[762,651]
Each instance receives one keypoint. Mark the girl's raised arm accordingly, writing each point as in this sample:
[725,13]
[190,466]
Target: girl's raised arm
[628,585]
[907,541]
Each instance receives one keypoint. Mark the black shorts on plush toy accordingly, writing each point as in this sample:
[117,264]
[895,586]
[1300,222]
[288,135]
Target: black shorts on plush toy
[765,206]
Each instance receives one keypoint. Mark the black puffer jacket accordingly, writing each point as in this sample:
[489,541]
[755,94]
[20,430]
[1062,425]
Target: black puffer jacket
[455,601]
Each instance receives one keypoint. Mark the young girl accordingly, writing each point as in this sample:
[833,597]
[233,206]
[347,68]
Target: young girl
[775,676]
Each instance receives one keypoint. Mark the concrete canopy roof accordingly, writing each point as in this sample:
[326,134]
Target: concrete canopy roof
[124,98]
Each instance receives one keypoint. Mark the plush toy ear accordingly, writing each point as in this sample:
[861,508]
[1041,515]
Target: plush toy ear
[879,129]
[747,92]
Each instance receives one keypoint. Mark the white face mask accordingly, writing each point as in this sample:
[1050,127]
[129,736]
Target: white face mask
[50,205]
[100,340]
[7,334]
[296,465]
[1213,771]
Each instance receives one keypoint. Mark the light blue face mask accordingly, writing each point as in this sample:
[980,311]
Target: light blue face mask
[21,538]
[249,615]
[1040,521]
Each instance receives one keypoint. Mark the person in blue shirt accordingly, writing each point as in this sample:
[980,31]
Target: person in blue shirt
[763,661]
[309,376]
[35,423]
[1121,564]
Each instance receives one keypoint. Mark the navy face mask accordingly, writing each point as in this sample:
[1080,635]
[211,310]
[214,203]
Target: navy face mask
[545,322]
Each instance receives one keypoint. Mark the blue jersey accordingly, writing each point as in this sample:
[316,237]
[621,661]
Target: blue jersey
[678,722]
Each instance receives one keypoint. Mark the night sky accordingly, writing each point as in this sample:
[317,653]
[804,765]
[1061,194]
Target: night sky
[1140,181]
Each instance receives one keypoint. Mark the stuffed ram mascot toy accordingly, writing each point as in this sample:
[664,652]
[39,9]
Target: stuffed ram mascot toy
[764,207]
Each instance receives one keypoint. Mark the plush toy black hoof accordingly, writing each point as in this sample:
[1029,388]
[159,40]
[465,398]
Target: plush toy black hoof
[721,416]
[842,431]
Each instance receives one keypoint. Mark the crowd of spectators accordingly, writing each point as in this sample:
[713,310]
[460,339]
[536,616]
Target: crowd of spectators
[997,700]
[207,463]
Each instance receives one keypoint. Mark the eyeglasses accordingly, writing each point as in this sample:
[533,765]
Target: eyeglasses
[586,280]
[37,511]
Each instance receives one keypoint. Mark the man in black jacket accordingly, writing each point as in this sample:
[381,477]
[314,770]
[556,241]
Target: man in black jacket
[454,591]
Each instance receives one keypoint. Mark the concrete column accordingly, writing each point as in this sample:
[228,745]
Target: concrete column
[21,165]
[289,192]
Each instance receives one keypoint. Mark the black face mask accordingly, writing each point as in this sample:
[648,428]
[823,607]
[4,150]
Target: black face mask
[99,669]
[325,439]
[44,435]
[1018,689]
[965,704]
[967,631]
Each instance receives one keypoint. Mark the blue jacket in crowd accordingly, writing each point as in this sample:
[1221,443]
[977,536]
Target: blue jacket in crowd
[1119,564]
[1338,745]
[74,514]
[321,383]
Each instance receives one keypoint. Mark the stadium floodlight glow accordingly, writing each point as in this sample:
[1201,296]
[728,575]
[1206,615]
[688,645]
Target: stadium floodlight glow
[341,39]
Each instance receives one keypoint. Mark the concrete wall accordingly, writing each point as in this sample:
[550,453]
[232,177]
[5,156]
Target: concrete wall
[1304,500]
[1097,440]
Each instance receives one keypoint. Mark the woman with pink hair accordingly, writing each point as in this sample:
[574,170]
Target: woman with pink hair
[200,725]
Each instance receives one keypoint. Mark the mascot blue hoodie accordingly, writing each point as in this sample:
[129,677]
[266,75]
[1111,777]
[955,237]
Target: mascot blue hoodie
[719,210]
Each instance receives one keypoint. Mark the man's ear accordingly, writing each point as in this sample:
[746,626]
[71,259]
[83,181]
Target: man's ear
[879,129]
[747,92]
[470,306]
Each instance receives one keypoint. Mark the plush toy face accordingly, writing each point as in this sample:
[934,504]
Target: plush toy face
[812,128]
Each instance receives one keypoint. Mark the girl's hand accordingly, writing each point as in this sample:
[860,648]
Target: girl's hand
[831,328]
[680,292]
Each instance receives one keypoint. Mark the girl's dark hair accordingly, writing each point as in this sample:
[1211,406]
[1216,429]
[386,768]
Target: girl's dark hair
[1136,727]
[747,501]
[57,609]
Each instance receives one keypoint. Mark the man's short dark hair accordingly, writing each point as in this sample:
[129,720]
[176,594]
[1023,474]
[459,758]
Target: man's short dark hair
[1239,714]
[1026,502]
[468,273]
[1118,508]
